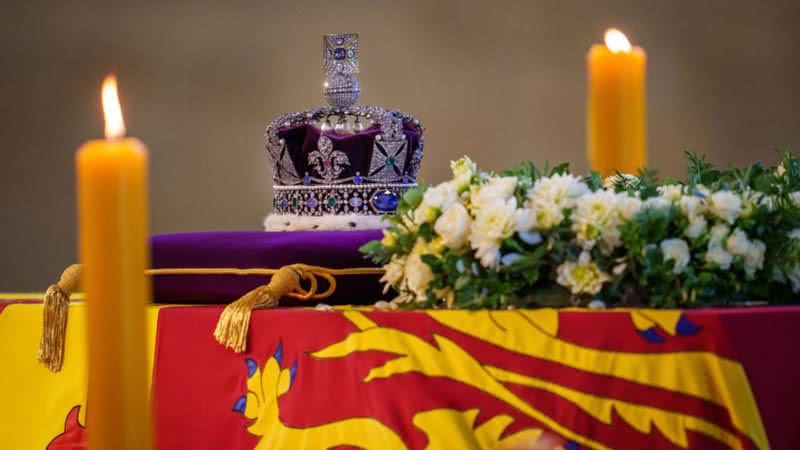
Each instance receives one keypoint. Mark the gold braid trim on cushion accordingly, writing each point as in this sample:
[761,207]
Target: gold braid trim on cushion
[234,322]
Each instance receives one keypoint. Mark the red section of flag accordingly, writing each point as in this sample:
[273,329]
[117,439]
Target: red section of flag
[74,435]
[198,382]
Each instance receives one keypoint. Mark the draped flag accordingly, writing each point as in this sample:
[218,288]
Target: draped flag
[444,379]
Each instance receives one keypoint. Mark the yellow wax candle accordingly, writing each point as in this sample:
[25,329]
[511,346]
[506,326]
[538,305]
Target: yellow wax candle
[113,229]
[616,123]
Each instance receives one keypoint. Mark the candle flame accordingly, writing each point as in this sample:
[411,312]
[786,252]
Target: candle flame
[616,41]
[115,126]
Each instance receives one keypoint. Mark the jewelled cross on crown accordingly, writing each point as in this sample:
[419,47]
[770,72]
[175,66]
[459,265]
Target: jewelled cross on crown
[340,53]
[340,64]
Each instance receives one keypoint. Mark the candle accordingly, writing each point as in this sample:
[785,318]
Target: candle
[616,126]
[112,213]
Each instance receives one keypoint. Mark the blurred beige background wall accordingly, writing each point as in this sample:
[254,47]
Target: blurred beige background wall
[499,81]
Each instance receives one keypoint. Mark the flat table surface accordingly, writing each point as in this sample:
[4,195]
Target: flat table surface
[360,378]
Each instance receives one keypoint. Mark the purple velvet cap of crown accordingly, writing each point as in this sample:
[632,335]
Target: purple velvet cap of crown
[259,249]
[302,140]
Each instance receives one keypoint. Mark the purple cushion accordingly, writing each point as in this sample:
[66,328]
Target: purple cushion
[259,249]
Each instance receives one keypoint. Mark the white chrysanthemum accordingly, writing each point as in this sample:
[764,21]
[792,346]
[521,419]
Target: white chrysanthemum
[754,259]
[737,243]
[550,196]
[726,205]
[671,192]
[463,170]
[454,226]
[596,217]
[676,250]
[625,178]
[581,278]
[394,272]
[493,223]
[697,226]
[548,215]
[720,257]
[436,199]
[496,189]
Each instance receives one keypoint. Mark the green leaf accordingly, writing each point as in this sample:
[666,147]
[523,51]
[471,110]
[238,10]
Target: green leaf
[410,200]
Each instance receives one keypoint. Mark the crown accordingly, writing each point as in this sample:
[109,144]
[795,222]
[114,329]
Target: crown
[341,166]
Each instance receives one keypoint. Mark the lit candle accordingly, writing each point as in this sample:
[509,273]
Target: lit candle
[616,123]
[113,228]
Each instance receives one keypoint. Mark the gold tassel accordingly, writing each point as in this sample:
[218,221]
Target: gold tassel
[54,321]
[234,322]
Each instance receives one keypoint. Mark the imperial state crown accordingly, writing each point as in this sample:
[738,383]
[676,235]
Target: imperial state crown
[340,166]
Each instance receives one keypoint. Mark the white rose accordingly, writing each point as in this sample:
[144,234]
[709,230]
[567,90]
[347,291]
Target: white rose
[718,234]
[487,252]
[691,205]
[676,250]
[696,228]
[628,206]
[657,203]
[418,276]
[720,257]
[702,191]
[581,278]
[793,275]
[454,226]
[795,197]
[780,170]
[463,170]
[670,192]
[737,243]
[436,199]
[726,205]
[754,259]
[496,189]
[493,223]
[394,272]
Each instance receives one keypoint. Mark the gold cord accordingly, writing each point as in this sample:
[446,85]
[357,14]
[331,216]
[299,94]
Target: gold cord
[234,322]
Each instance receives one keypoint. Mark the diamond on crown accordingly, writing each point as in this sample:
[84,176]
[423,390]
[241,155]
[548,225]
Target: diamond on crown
[328,162]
